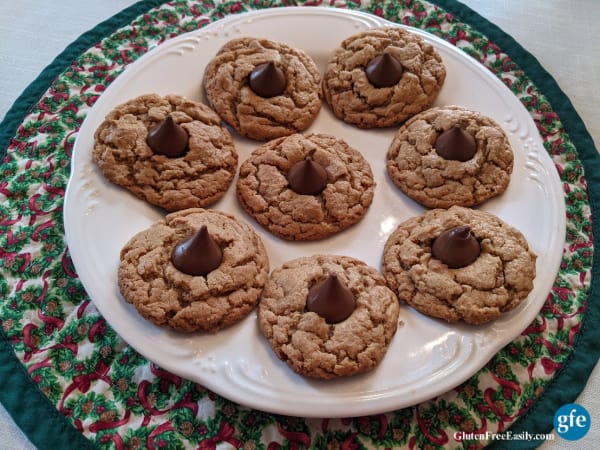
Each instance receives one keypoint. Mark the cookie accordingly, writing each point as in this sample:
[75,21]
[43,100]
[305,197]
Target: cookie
[420,265]
[381,77]
[334,200]
[306,340]
[449,156]
[197,175]
[225,293]
[263,89]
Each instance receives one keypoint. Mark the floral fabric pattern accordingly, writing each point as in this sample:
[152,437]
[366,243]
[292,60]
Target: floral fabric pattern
[117,399]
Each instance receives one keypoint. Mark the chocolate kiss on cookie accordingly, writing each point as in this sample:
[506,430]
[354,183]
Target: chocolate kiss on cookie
[307,177]
[267,80]
[456,144]
[331,299]
[456,247]
[197,255]
[168,138]
[384,70]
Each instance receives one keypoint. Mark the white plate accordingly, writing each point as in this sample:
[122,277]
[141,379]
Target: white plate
[426,357]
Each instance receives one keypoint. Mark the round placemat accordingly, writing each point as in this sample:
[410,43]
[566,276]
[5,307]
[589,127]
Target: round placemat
[71,382]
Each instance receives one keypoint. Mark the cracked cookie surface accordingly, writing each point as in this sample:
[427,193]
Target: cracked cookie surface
[166,296]
[305,341]
[496,282]
[264,192]
[228,91]
[198,178]
[352,97]
[416,168]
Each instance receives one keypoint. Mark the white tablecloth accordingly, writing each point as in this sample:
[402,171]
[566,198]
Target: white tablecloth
[562,34]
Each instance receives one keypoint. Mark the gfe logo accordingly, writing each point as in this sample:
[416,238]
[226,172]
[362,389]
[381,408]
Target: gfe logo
[571,421]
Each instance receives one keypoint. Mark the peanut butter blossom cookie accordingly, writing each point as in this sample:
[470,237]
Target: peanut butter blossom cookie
[196,270]
[170,151]
[305,187]
[263,89]
[381,77]
[459,264]
[449,156]
[328,316]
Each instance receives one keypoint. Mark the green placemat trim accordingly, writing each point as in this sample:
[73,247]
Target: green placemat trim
[26,404]
[570,381]
[24,401]
[56,432]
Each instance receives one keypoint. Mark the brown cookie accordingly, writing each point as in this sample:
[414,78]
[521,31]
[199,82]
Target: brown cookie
[359,82]
[498,280]
[199,177]
[305,340]
[165,295]
[264,191]
[280,100]
[415,165]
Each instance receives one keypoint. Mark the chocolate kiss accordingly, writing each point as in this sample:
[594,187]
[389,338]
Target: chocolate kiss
[199,254]
[384,70]
[456,144]
[168,139]
[456,247]
[307,177]
[267,80]
[331,300]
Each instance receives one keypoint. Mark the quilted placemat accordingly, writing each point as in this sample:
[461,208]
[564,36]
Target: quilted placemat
[69,381]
